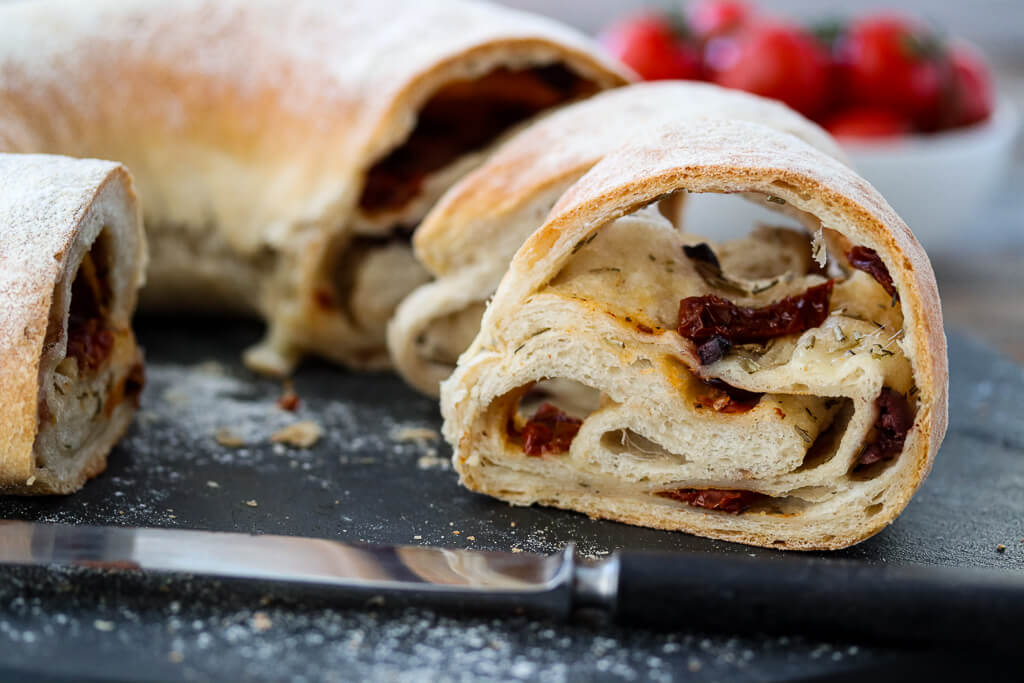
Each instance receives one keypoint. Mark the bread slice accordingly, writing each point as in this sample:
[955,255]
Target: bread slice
[72,255]
[812,437]
[284,149]
[467,241]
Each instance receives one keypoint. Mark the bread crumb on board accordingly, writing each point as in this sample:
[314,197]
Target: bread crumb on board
[417,434]
[261,622]
[432,461]
[226,437]
[252,503]
[1000,548]
[301,434]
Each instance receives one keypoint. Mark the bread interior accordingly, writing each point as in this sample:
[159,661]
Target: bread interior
[453,130]
[90,367]
[608,321]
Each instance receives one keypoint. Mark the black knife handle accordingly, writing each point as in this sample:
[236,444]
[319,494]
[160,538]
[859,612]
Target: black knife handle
[820,597]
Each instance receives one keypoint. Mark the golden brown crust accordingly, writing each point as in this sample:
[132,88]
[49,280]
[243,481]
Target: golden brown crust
[50,209]
[565,144]
[249,125]
[725,156]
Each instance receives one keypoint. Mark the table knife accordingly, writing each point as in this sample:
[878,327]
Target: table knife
[696,591]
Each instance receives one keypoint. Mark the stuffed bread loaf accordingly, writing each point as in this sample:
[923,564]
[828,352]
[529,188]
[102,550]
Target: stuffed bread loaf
[72,255]
[468,239]
[284,149]
[739,391]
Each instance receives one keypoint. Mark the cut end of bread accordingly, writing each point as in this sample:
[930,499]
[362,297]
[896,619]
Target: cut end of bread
[733,390]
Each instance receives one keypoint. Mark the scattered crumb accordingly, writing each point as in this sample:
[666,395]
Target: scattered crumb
[251,503]
[31,480]
[470,538]
[103,625]
[289,400]
[513,524]
[213,484]
[176,657]
[226,437]
[417,537]
[1000,548]
[432,461]
[301,434]
[517,550]
[418,434]
[261,622]
[456,532]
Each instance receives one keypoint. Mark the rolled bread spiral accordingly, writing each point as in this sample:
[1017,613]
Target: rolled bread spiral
[72,255]
[468,239]
[738,391]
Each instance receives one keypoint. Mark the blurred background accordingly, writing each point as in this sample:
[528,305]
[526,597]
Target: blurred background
[980,263]
[996,26]
[980,267]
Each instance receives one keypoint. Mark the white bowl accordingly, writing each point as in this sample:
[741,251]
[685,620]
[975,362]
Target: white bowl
[937,183]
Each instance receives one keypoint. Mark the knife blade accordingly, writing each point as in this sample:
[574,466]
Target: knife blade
[823,597]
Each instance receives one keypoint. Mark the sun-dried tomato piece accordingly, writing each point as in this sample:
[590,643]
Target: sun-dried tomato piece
[324,299]
[726,398]
[462,117]
[868,260]
[89,342]
[289,400]
[893,423]
[711,320]
[704,253]
[713,350]
[731,501]
[549,431]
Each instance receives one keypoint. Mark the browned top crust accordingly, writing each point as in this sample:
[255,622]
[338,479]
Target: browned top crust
[44,202]
[250,127]
[566,143]
[258,116]
[736,156]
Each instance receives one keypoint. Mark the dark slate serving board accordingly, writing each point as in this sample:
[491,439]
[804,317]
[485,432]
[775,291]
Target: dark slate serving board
[366,480]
